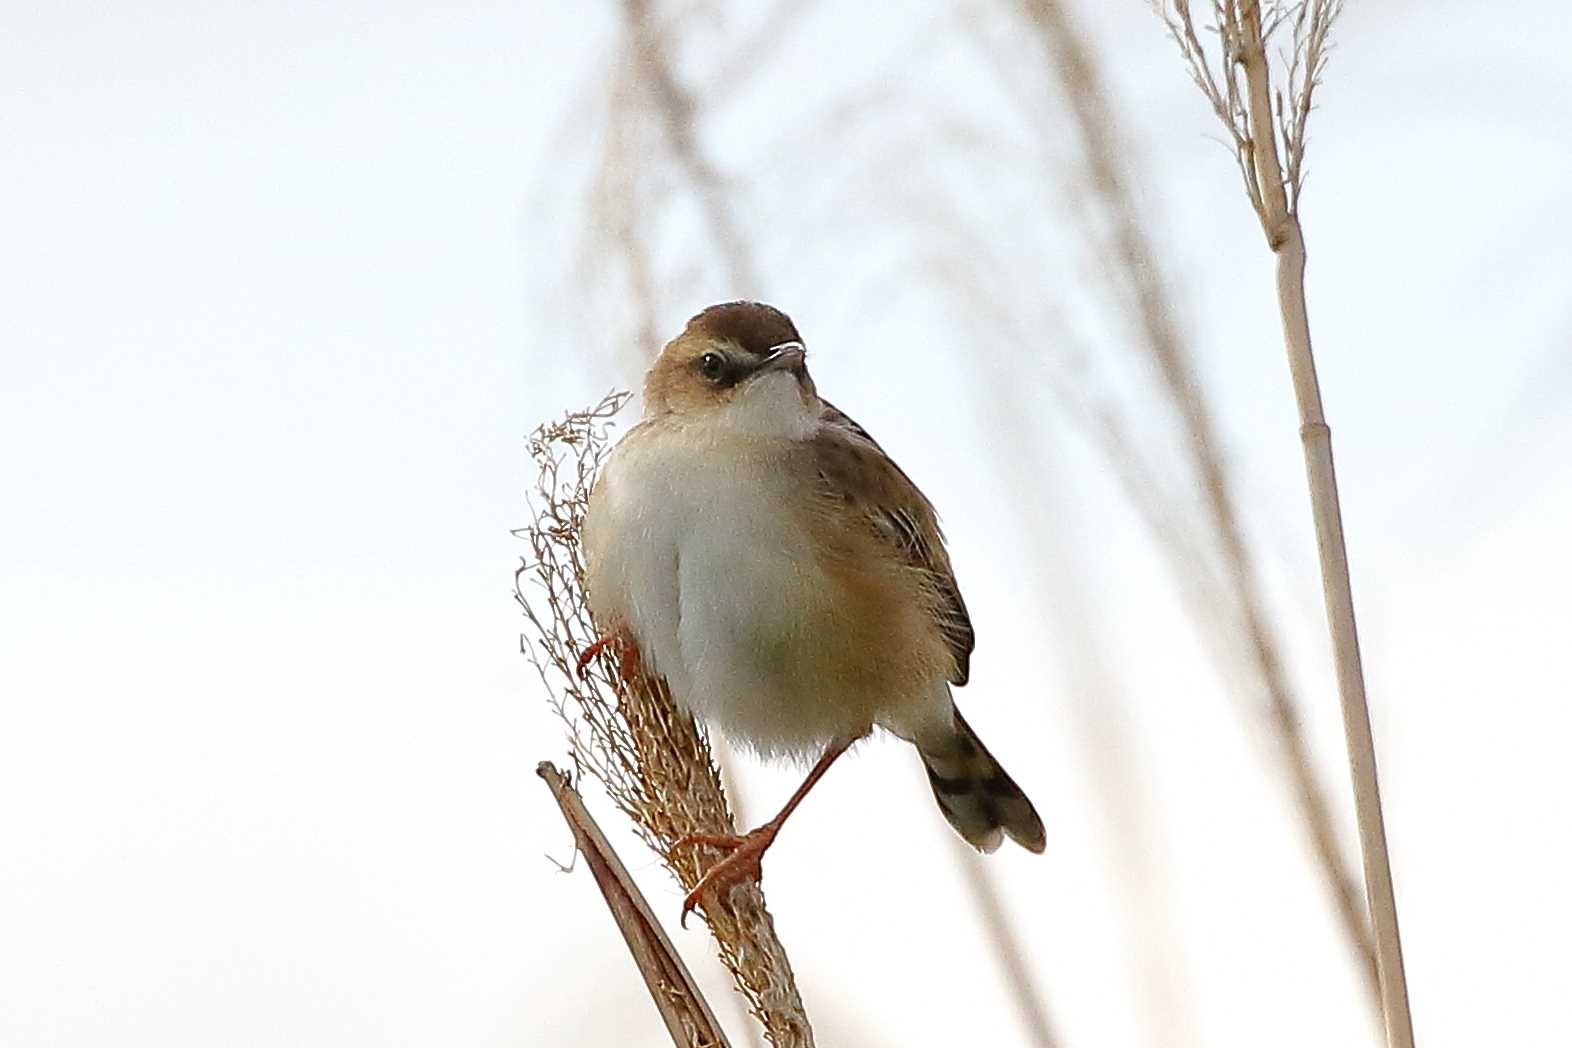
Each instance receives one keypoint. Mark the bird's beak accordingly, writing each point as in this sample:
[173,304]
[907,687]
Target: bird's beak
[787,356]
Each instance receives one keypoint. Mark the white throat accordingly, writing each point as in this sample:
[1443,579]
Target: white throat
[771,406]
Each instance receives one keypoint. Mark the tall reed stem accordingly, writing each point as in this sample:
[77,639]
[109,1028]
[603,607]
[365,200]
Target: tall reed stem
[1286,238]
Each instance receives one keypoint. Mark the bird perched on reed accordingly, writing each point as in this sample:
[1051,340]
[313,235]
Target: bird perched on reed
[753,545]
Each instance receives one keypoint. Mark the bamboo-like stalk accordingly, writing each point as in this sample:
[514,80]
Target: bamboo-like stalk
[1250,119]
[677,997]
[1286,238]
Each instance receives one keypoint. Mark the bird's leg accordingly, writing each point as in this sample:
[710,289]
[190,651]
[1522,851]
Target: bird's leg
[747,850]
[626,646]
[588,654]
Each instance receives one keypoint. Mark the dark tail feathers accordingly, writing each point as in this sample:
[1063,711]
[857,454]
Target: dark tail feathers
[979,798]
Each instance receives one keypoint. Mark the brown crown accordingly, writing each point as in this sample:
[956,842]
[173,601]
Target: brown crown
[755,327]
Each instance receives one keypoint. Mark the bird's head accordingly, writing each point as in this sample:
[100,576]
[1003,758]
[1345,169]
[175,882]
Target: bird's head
[740,363]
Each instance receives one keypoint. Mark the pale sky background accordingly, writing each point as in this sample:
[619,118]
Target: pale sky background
[282,289]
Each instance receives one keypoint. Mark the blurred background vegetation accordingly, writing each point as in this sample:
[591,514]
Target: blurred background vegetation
[286,287]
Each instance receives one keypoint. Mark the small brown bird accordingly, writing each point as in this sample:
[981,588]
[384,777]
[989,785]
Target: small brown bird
[758,549]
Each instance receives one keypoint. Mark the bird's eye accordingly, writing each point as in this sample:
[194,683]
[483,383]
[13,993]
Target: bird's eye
[712,366]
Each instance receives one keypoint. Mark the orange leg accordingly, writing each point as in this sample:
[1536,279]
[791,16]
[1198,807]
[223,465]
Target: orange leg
[588,654]
[746,851]
[626,647]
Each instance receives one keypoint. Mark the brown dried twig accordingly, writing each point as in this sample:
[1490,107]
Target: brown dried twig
[625,731]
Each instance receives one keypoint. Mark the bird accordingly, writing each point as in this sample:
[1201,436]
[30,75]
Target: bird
[753,545]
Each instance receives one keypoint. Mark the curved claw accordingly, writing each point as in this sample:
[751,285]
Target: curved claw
[688,904]
[743,862]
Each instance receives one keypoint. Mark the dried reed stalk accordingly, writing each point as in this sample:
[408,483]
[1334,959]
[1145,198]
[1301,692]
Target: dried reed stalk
[677,997]
[624,729]
[1135,258]
[1257,120]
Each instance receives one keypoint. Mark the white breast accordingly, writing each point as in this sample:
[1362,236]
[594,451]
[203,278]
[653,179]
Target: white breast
[691,541]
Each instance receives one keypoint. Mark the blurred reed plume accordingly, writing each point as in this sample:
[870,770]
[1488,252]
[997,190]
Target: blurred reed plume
[623,728]
[1237,611]
[1170,462]
[1268,130]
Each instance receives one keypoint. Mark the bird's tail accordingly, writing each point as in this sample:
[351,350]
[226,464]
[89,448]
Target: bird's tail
[978,796]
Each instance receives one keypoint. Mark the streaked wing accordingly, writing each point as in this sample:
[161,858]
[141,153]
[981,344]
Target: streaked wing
[858,474]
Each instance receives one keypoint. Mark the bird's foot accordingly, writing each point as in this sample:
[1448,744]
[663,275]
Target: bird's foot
[742,863]
[626,647]
[588,654]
